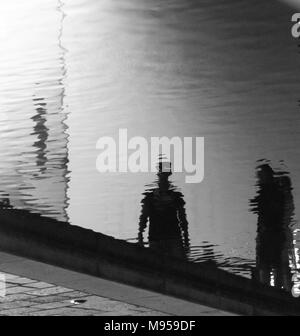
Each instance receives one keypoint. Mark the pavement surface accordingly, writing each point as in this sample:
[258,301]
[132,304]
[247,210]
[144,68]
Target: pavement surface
[30,288]
[24,296]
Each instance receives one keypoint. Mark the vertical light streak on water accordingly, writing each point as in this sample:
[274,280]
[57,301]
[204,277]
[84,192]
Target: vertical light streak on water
[33,148]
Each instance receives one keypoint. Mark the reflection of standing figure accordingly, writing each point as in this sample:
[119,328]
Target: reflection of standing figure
[42,133]
[164,207]
[275,208]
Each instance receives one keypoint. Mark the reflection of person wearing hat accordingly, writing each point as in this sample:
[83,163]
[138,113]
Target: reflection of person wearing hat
[165,209]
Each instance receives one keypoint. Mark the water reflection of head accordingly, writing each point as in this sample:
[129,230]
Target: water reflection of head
[164,172]
[265,174]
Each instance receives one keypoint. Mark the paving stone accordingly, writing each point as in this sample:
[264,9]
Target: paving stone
[113,314]
[10,276]
[9,285]
[39,285]
[94,302]
[15,304]
[65,312]
[115,307]
[50,312]
[74,295]
[18,311]
[48,299]
[20,281]
[51,291]
[147,313]
[141,309]
[51,305]
[16,297]
[219,313]
[17,290]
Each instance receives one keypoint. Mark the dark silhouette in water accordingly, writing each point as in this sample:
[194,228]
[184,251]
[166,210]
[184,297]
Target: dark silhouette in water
[42,133]
[164,207]
[274,243]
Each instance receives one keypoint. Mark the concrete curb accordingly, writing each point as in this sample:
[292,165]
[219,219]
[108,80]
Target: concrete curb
[85,251]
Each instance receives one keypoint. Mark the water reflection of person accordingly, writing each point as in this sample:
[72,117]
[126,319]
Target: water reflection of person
[165,209]
[42,133]
[274,243]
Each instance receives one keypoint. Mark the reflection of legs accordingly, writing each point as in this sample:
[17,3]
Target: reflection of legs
[286,270]
[282,278]
[264,274]
[282,271]
[156,245]
[285,279]
[285,276]
[175,249]
[277,277]
[171,247]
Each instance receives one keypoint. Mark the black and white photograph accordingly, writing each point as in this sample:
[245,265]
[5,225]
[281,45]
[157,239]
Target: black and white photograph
[149,160]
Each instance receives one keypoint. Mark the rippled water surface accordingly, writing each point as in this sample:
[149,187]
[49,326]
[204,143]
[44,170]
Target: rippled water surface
[73,71]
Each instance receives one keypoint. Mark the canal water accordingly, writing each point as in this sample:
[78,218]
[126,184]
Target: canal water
[73,71]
